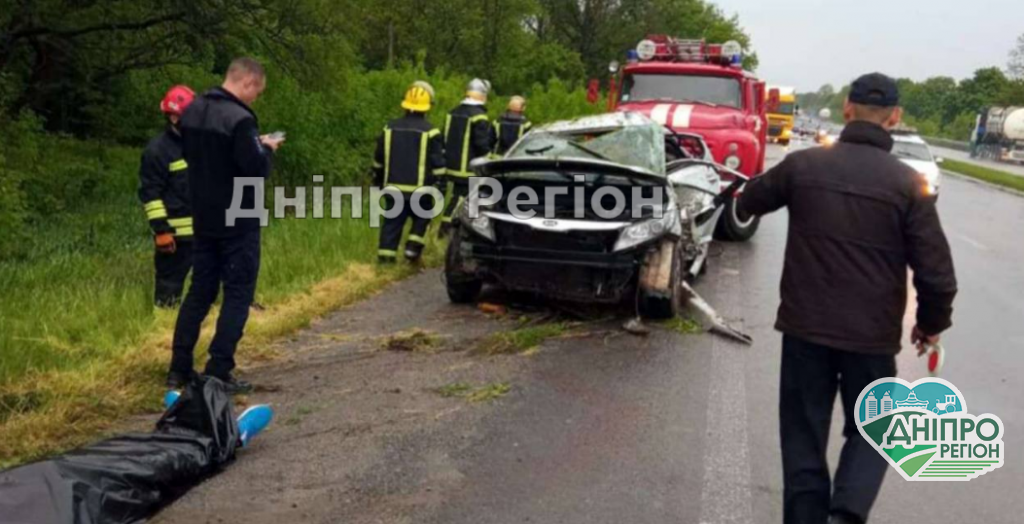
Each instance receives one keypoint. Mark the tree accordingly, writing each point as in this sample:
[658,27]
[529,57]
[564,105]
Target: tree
[1015,65]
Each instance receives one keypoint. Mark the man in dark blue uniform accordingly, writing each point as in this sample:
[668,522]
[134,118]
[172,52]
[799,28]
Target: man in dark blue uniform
[163,190]
[221,145]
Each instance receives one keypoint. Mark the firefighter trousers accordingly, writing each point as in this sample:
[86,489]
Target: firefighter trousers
[231,263]
[391,229]
[171,271]
[458,189]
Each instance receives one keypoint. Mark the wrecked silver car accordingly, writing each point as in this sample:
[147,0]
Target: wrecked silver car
[604,208]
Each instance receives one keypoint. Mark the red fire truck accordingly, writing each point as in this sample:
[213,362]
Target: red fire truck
[696,87]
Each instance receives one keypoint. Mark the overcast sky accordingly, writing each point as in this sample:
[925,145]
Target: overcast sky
[807,43]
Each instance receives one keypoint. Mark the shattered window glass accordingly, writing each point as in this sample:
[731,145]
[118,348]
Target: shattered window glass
[640,146]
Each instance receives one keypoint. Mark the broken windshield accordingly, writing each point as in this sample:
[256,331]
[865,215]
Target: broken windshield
[640,146]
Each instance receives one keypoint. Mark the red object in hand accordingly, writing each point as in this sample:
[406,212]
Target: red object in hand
[936,357]
[165,243]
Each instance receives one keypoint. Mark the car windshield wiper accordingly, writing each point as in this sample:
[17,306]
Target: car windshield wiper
[540,150]
[589,151]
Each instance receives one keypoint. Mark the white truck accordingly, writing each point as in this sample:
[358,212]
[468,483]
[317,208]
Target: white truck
[999,135]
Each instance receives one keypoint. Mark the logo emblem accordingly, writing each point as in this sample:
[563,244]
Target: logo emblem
[925,432]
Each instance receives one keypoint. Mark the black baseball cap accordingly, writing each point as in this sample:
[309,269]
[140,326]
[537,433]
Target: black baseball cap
[875,89]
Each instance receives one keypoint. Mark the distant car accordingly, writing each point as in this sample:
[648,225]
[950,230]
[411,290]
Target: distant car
[914,152]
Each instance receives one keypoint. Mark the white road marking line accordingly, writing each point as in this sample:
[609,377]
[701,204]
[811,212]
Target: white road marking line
[681,116]
[972,242]
[725,496]
[660,113]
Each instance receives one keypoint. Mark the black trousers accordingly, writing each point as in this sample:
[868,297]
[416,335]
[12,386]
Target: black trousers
[171,271]
[391,229]
[231,263]
[458,189]
[811,376]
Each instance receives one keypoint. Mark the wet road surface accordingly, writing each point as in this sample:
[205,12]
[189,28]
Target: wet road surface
[600,426]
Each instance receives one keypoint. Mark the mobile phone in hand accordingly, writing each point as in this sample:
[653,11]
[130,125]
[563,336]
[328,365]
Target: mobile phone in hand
[276,135]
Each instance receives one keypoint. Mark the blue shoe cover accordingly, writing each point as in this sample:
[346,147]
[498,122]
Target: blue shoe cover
[253,420]
[170,398]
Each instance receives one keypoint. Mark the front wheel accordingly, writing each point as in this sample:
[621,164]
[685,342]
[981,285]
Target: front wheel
[735,225]
[661,306]
[463,288]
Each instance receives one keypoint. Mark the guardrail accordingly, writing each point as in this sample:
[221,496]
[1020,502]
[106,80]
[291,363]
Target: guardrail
[947,143]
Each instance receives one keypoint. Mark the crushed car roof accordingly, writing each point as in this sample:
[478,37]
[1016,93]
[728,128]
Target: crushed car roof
[630,139]
[600,122]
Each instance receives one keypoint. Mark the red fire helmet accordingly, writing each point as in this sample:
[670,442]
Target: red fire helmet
[176,100]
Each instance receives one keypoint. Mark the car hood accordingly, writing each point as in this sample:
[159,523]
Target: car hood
[688,116]
[497,168]
[929,169]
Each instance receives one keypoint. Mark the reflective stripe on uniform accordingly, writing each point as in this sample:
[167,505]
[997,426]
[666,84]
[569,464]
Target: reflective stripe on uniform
[421,169]
[416,238]
[178,165]
[182,226]
[155,210]
[387,154]
[387,253]
[463,170]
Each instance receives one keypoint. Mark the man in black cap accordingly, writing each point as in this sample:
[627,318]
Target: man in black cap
[858,219]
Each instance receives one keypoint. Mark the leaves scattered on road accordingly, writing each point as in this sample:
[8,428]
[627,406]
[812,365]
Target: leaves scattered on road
[521,339]
[414,340]
[686,326]
[484,393]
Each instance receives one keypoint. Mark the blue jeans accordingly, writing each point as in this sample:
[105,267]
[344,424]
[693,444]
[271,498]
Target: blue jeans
[234,264]
[812,374]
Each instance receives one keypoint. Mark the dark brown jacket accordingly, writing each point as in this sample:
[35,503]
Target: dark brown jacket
[858,218]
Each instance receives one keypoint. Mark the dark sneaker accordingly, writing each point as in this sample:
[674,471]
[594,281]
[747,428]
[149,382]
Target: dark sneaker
[176,380]
[234,386]
[385,260]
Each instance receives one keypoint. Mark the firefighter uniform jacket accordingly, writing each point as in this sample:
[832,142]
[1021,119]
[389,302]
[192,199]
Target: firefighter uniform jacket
[467,135]
[410,154]
[163,186]
[509,128]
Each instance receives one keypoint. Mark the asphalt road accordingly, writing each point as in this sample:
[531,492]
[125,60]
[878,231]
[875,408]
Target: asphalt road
[963,156]
[600,426]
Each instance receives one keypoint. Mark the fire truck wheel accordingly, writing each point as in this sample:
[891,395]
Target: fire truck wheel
[735,225]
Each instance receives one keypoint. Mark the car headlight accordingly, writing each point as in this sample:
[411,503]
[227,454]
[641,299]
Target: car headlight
[481,225]
[732,162]
[640,232]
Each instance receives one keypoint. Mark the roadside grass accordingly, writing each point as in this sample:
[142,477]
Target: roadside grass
[987,174]
[483,393]
[81,346]
[522,339]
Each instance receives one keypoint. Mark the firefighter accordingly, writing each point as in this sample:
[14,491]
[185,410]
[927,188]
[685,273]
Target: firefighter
[409,156]
[163,190]
[468,135]
[511,126]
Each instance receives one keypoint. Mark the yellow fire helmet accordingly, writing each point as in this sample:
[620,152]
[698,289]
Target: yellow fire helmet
[418,97]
